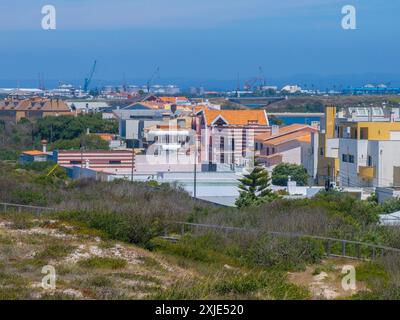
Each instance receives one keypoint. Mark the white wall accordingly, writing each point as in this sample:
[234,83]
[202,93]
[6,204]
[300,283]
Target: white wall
[385,155]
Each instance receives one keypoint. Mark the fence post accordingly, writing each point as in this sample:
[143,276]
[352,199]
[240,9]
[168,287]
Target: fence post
[373,253]
[182,229]
[343,248]
[5,208]
[328,248]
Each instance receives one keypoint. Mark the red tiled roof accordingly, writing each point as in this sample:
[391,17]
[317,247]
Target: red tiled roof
[236,117]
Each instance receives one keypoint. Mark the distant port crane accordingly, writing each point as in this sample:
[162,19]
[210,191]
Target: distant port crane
[152,78]
[260,79]
[88,80]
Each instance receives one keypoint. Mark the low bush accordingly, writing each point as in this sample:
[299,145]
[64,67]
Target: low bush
[103,263]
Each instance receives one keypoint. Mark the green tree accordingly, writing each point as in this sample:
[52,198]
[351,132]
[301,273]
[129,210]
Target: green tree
[69,127]
[89,142]
[255,187]
[282,171]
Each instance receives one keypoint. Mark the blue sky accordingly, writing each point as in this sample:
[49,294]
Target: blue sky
[199,40]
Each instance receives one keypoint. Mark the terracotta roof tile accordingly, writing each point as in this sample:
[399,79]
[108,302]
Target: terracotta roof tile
[236,117]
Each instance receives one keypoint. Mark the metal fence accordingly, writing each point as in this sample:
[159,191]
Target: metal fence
[5,207]
[333,247]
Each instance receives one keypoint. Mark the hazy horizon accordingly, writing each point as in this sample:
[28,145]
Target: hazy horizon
[200,43]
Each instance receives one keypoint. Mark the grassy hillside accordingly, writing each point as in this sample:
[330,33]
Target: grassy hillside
[105,240]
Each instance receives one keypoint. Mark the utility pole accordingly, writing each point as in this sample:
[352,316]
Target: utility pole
[195,158]
[195,171]
[133,164]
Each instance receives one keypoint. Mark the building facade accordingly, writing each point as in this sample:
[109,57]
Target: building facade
[363,147]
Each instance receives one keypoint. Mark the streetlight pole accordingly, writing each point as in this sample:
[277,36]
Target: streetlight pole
[195,169]
[133,164]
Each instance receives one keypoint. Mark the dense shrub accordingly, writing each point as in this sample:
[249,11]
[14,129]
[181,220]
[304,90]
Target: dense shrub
[282,171]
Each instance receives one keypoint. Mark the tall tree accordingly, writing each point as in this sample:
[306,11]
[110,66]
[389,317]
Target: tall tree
[282,171]
[255,187]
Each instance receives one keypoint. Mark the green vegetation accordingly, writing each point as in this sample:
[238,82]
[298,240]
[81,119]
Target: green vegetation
[255,187]
[90,142]
[103,263]
[307,107]
[250,264]
[63,132]
[282,171]
[68,128]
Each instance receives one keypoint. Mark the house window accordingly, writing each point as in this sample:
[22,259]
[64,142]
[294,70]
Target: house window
[369,161]
[321,151]
[364,133]
[267,151]
[75,162]
[351,158]
[114,162]
[222,158]
[345,158]
[273,150]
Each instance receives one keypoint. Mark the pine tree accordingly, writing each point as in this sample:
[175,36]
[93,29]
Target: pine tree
[255,187]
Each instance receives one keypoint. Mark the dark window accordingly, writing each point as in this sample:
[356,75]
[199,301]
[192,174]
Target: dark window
[75,162]
[351,158]
[369,161]
[114,162]
[222,143]
[273,150]
[364,133]
[267,151]
[345,158]
[321,151]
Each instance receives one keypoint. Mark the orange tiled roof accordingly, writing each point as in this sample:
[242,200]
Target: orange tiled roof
[35,104]
[236,117]
[106,136]
[284,131]
[299,136]
[300,133]
[172,99]
[33,153]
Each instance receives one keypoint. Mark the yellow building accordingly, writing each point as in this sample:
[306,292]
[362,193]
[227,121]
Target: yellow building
[360,147]
[328,162]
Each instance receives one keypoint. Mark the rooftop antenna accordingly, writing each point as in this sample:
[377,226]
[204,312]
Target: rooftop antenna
[238,86]
[41,82]
[152,78]
[262,76]
[124,85]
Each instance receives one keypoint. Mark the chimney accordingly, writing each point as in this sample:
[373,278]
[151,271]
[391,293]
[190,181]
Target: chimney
[274,129]
[181,123]
[44,146]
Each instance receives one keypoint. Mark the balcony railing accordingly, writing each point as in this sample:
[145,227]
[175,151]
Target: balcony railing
[367,172]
